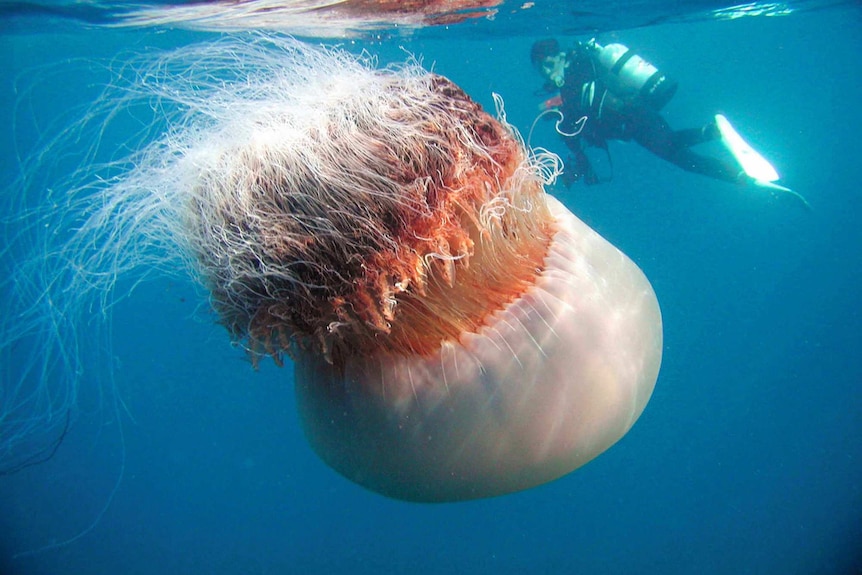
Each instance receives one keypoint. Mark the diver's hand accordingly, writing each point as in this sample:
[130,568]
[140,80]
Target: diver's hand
[577,168]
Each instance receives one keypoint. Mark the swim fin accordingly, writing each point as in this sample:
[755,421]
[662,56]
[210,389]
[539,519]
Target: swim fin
[761,173]
[755,165]
[773,187]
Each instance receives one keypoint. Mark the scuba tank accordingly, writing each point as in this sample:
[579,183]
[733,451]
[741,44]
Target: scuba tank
[627,75]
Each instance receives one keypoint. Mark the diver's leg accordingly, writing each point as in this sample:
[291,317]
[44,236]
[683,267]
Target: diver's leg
[707,166]
[653,132]
[694,136]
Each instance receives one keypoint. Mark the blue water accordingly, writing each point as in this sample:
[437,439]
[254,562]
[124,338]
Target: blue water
[748,458]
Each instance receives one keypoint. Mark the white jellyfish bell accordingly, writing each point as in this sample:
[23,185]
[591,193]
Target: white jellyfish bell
[456,332]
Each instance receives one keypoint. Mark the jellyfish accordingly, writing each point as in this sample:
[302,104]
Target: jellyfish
[455,331]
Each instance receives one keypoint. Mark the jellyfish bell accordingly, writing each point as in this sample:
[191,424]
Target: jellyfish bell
[546,383]
[456,333]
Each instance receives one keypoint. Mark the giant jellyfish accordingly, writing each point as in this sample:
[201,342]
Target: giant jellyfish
[455,332]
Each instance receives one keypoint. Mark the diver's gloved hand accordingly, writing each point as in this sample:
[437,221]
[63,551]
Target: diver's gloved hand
[578,168]
[568,177]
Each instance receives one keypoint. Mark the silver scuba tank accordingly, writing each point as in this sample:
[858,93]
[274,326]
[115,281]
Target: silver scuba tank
[629,76]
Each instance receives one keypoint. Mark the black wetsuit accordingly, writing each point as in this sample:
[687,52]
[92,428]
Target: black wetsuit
[610,117]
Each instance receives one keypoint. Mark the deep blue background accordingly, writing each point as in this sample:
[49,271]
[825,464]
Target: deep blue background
[748,458]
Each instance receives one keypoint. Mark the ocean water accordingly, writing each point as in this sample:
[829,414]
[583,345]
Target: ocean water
[748,458]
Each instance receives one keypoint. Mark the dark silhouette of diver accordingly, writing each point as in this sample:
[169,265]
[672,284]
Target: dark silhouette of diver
[611,93]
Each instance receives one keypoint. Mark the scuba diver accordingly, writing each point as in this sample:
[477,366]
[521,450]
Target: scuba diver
[611,93]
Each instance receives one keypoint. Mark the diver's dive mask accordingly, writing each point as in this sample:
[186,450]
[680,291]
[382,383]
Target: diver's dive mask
[554,67]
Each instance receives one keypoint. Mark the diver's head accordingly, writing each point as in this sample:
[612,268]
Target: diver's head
[550,61]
